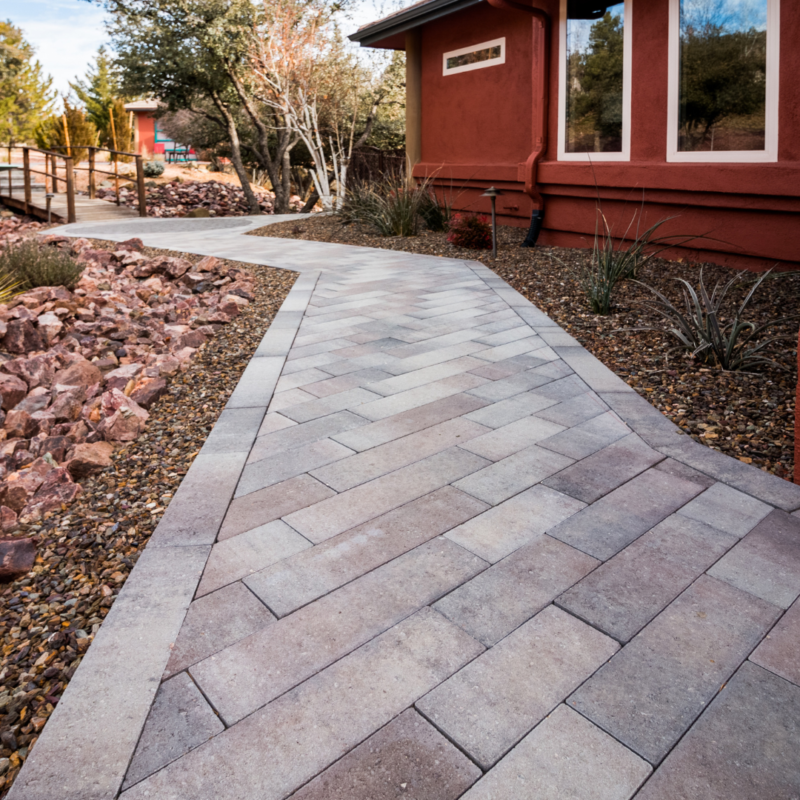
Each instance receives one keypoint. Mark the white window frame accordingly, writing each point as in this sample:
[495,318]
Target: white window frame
[625,153]
[770,151]
[490,62]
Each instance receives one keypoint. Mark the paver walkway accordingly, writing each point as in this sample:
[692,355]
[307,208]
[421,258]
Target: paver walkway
[434,549]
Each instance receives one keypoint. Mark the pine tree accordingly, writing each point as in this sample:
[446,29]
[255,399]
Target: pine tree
[98,93]
[26,96]
[69,133]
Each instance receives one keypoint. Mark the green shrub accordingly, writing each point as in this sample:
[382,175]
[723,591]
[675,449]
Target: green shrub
[390,208]
[470,230]
[29,264]
[435,213]
[152,169]
[716,335]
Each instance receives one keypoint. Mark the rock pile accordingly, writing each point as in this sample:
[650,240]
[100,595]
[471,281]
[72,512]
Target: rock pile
[80,368]
[13,228]
[177,198]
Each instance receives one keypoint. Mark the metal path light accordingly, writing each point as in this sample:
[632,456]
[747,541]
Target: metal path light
[493,194]
[49,198]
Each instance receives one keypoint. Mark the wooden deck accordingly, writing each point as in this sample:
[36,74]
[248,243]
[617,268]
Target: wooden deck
[86,210]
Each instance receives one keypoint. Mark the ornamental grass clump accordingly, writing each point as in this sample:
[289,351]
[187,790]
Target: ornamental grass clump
[390,208]
[713,330]
[470,230]
[28,264]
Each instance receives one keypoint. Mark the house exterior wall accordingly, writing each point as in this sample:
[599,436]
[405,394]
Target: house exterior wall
[477,130]
[144,140]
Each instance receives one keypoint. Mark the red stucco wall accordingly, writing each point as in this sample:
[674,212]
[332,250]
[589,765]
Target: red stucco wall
[145,133]
[477,130]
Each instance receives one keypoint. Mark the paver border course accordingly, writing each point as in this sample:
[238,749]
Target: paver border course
[104,708]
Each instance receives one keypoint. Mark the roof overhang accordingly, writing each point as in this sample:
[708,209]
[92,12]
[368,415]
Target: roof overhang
[411,17]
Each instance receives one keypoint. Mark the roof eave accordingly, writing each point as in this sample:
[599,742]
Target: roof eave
[406,20]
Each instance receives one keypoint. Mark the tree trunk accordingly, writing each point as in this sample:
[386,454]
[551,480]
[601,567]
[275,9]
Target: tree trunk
[310,203]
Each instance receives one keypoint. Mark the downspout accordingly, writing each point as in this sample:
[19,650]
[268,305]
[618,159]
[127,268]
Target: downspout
[541,101]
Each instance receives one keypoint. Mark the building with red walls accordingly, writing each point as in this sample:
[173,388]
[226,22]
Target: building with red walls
[148,140]
[665,108]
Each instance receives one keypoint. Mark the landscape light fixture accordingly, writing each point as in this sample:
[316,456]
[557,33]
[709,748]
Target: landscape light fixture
[49,198]
[493,194]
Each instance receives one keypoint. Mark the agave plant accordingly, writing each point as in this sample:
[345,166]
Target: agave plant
[734,344]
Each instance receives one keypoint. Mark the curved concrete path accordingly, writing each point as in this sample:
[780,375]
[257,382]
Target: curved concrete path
[434,549]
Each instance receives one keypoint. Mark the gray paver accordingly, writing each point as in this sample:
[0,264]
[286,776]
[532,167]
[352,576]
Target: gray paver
[573,411]
[263,666]
[508,387]
[506,527]
[778,651]
[493,702]
[312,726]
[727,509]
[503,442]
[621,596]
[265,505]
[214,622]
[507,594]
[330,385]
[564,758]
[766,562]
[503,479]
[179,721]
[269,471]
[588,437]
[593,371]
[605,470]
[235,558]
[295,581]
[367,501]
[613,522]
[654,688]
[672,467]
[505,412]
[744,747]
[565,387]
[407,758]
[310,407]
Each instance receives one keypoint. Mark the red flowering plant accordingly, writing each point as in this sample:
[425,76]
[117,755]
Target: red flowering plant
[470,230]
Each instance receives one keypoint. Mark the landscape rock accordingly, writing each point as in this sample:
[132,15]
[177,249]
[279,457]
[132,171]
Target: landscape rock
[80,373]
[8,519]
[22,337]
[20,424]
[148,390]
[49,326]
[12,390]
[16,559]
[86,459]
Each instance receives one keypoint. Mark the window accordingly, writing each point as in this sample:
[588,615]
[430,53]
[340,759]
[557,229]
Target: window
[478,56]
[159,135]
[594,97]
[723,80]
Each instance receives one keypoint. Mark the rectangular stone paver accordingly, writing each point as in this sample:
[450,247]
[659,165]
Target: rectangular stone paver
[498,698]
[496,415]
[214,622]
[265,505]
[179,721]
[369,500]
[263,666]
[506,527]
[503,479]
[588,437]
[744,746]
[613,522]
[779,650]
[417,419]
[766,562]
[605,470]
[295,581]
[500,599]
[727,509]
[315,724]
[398,453]
[313,407]
[621,596]
[408,758]
[502,442]
[564,758]
[574,410]
[649,694]
[235,558]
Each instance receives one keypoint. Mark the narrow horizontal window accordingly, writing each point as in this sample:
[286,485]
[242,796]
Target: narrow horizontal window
[485,54]
[594,91]
[723,92]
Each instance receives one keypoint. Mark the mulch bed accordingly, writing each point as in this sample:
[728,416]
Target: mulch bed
[49,617]
[749,416]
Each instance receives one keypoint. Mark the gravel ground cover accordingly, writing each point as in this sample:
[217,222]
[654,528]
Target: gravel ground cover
[49,617]
[749,416]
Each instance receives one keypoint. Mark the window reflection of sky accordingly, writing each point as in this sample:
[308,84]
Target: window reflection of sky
[578,30]
[730,15]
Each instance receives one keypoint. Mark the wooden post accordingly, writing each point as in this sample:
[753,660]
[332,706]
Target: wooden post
[71,217]
[140,184]
[26,173]
[92,189]
[413,102]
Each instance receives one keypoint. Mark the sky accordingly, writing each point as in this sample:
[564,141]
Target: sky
[67,33]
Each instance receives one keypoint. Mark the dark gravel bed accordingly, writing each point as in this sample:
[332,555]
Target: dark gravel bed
[48,618]
[748,416]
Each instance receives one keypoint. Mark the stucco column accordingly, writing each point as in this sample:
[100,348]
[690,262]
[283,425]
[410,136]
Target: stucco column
[413,99]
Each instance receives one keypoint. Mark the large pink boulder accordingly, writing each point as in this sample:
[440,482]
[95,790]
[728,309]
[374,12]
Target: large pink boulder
[22,337]
[79,373]
[12,390]
[86,459]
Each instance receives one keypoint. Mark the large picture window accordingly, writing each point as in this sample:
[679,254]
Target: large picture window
[723,80]
[594,90]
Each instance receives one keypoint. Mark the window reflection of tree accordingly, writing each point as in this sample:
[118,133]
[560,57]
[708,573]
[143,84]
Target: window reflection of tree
[723,75]
[594,87]
[474,57]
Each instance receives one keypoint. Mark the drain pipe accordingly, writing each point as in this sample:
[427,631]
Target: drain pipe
[541,99]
